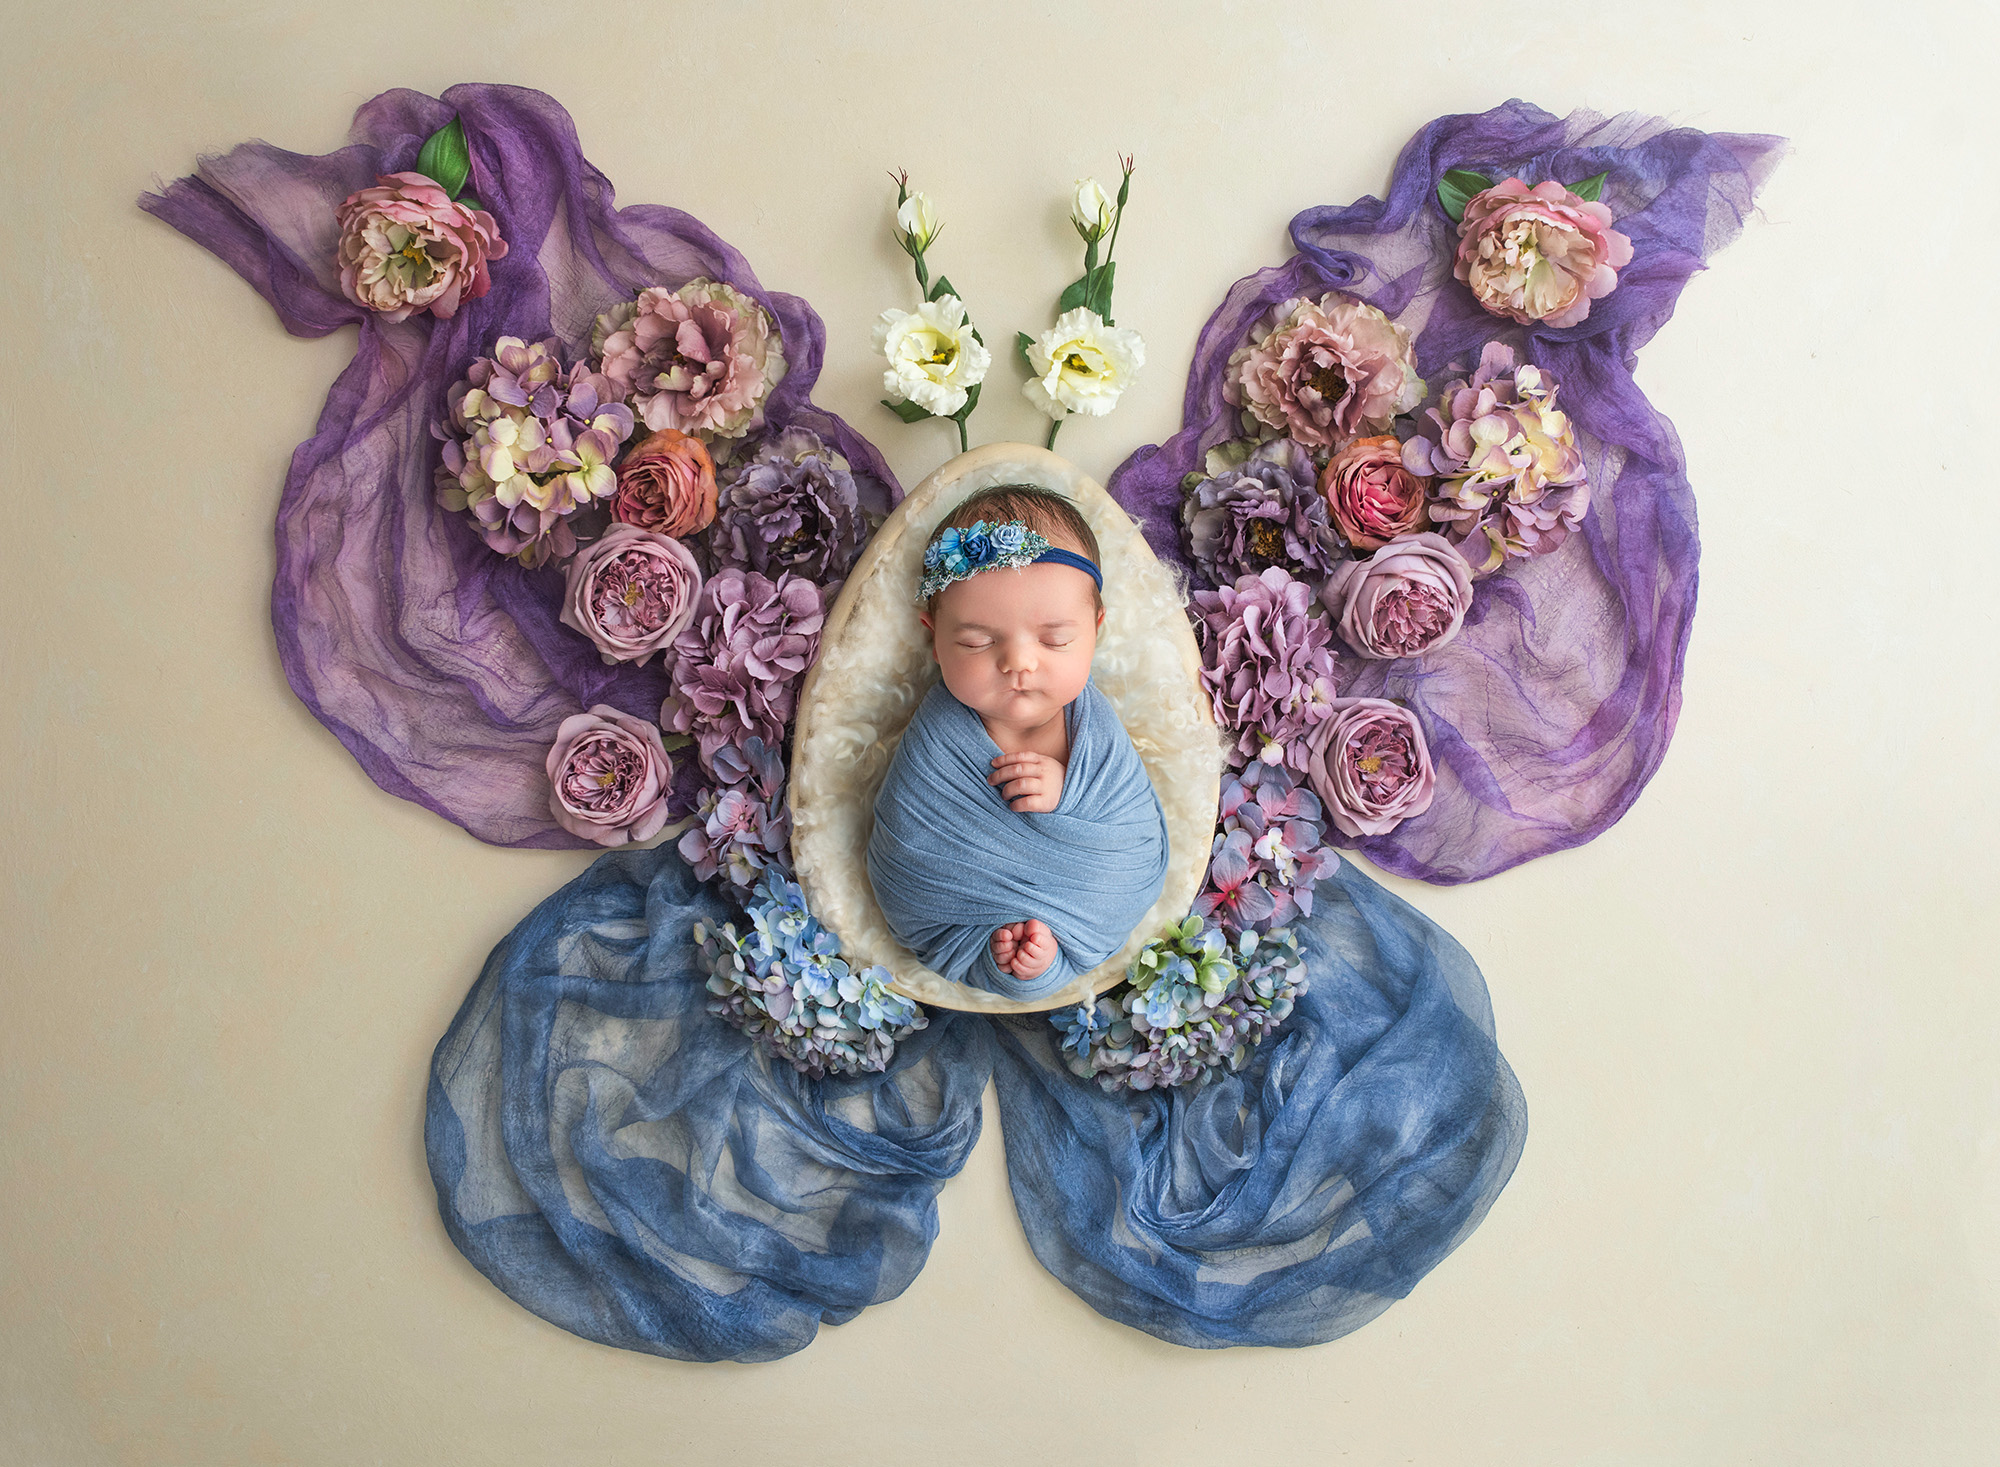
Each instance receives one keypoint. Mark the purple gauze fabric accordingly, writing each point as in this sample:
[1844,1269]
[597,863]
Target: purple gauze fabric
[440,665]
[1552,709]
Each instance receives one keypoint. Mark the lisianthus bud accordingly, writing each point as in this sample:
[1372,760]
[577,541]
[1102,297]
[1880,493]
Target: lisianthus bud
[1092,211]
[917,223]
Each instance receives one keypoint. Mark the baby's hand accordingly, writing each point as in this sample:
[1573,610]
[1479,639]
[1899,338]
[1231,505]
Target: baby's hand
[1024,949]
[1030,783]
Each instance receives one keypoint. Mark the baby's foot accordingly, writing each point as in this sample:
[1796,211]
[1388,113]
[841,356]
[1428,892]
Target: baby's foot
[1034,949]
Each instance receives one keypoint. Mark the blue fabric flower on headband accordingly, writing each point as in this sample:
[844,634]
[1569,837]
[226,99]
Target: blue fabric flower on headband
[957,554]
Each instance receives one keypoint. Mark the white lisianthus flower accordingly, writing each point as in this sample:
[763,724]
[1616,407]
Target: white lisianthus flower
[917,222]
[1092,211]
[1081,365]
[934,359]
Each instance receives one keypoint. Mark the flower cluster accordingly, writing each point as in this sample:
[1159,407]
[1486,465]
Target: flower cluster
[1508,477]
[791,506]
[1261,511]
[1267,662]
[956,554]
[738,663]
[783,983]
[742,825]
[527,441]
[1195,1001]
[701,359]
[1267,854]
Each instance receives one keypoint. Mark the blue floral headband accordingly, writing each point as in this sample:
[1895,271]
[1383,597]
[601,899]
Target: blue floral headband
[957,554]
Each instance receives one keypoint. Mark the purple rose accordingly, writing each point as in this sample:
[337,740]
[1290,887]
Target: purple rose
[1371,766]
[738,663]
[1263,512]
[631,593]
[1405,599]
[608,777]
[1267,661]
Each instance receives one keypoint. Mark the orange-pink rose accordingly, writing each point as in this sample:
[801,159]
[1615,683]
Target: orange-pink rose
[1370,495]
[667,485]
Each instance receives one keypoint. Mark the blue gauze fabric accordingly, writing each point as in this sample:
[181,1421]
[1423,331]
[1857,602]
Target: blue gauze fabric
[1295,1201]
[949,861]
[627,1166]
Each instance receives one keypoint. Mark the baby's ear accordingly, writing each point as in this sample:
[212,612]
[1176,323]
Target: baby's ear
[1100,618]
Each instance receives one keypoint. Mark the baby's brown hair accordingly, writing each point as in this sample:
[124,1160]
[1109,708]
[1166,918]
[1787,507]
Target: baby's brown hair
[1044,511]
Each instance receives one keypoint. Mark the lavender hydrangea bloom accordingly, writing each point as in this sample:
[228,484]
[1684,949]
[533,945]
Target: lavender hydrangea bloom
[784,984]
[1268,853]
[737,666]
[1262,512]
[743,825]
[791,506]
[1268,662]
[1509,480]
[1197,1001]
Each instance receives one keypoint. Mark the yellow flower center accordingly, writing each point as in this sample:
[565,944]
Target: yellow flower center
[632,594]
[1074,362]
[1371,765]
[606,780]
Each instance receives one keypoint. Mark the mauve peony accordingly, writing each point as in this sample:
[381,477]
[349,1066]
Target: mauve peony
[1324,372]
[632,592]
[608,777]
[1538,254]
[666,484]
[1259,513]
[1371,766]
[792,506]
[1407,598]
[1370,495]
[737,665]
[406,247]
[701,359]
[1508,480]
[1267,660]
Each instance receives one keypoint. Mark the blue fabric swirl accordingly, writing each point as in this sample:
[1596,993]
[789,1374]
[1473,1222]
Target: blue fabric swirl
[624,1164]
[1295,1201]
[949,861]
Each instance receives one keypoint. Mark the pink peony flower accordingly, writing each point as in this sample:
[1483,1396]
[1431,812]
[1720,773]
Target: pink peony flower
[1370,495]
[1324,373]
[1507,478]
[1538,254]
[701,359]
[608,777]
[631,593]
[1407,598]
[1371,766]
[667,485]
[738,663]
[1268,663]
[406,247]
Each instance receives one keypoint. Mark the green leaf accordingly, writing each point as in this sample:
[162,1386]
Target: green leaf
[446,159]
[940,288]
[971,402]
[1457,188]
[909,412]
[1092,291]
[470,202]
[1591,189]
[673,741]
[1022,341]
[1076,295]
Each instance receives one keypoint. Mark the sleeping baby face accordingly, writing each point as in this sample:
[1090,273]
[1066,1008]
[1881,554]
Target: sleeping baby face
[1015,645]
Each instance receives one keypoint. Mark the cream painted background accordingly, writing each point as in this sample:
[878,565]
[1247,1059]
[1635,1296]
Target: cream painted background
[1756,1219]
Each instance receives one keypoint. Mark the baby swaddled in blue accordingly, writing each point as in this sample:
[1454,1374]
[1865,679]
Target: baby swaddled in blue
[1018,839]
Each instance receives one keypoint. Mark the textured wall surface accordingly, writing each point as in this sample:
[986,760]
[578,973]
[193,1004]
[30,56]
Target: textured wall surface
[1758,1218]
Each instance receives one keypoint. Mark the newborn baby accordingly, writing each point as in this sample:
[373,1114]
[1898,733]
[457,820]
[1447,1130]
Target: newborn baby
[1017,837]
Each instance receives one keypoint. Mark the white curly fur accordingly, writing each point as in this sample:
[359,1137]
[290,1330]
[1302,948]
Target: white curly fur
[875,664]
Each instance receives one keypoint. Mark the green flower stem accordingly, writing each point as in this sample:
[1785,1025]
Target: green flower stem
[962,445]
[1055,427]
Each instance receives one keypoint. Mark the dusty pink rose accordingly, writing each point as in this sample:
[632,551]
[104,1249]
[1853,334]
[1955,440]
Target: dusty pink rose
[406,247]
[1370,495]
[608,777]
[1538,254]
[701,359]
[1370,766]
[666,484]
[631,593]
[1407,598]
[1322,373]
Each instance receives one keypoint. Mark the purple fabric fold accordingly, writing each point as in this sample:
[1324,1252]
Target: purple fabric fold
[1552,709]
[441,666]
